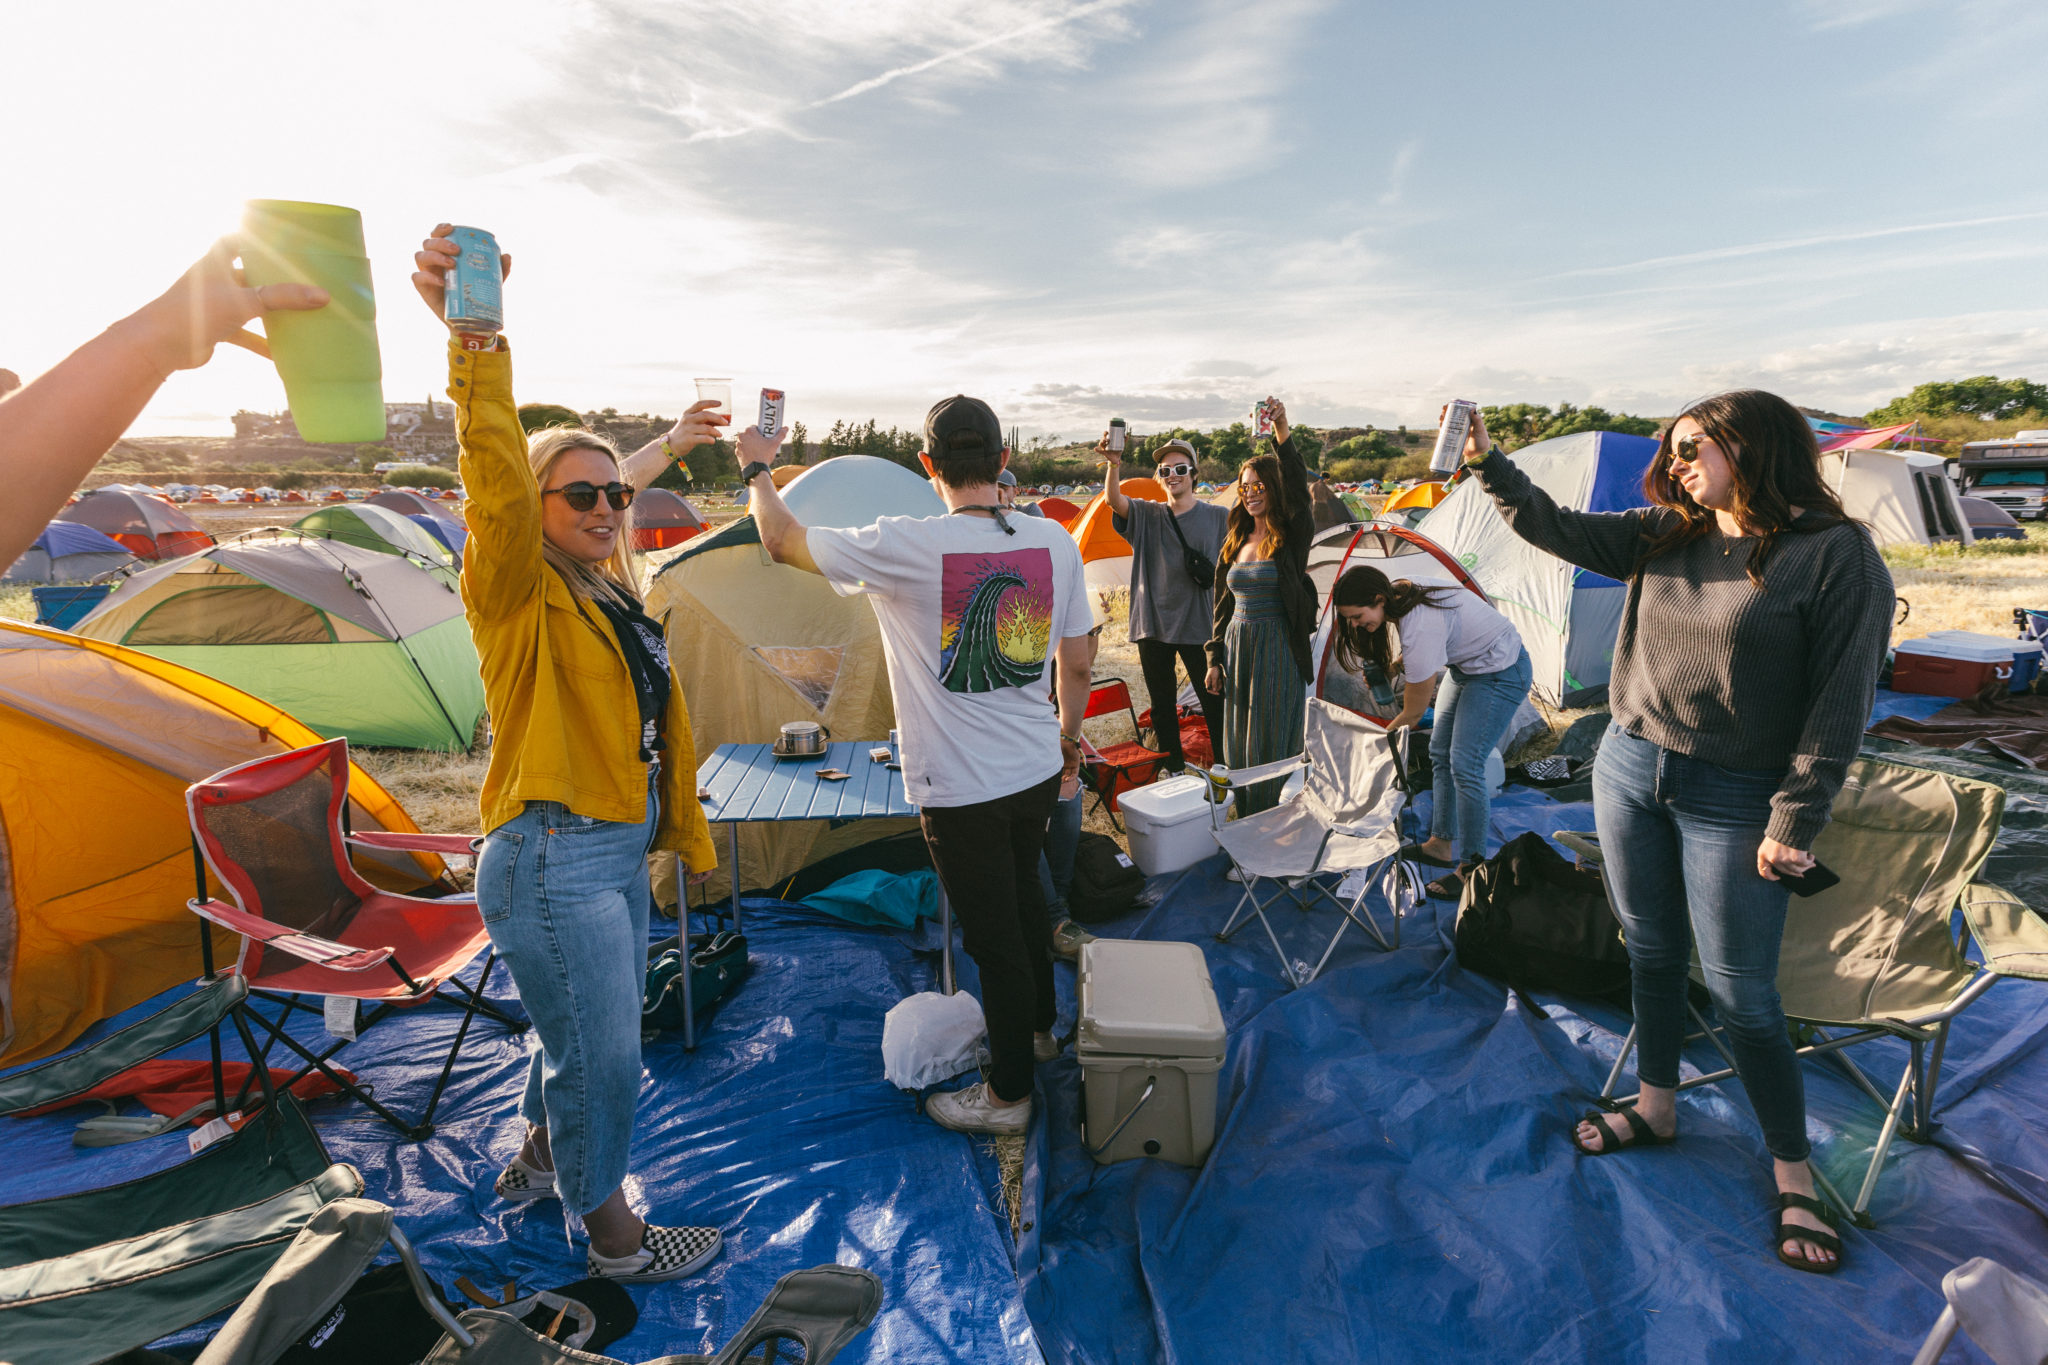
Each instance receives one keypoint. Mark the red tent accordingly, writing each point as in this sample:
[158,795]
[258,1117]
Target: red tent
[405,502]
[149,526]
[1059,509]
[663,517]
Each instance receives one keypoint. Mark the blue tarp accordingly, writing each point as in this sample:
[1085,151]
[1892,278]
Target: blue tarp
[1392,1178]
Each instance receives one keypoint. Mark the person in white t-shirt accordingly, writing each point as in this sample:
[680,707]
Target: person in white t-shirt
[1442,630]
[973,606]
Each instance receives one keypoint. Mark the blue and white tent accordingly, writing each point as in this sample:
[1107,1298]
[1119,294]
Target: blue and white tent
[1568,617]
[67,552]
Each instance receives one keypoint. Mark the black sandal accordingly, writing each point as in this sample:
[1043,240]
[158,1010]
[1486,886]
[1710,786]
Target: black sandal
[1795,1232]
[1413,853]
[1641,1134]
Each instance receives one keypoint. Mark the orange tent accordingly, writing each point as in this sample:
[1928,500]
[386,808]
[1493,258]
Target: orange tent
[1422,497]
[1105,554]
[1059,510]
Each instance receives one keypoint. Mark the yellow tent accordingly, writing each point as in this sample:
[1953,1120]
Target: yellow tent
[97,746]
[1424,496]
[758,644]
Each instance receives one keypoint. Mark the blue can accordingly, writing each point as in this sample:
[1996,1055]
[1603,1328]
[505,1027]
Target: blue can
[476,285]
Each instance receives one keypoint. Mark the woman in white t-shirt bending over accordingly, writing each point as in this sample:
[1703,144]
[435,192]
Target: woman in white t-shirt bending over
[1441,629]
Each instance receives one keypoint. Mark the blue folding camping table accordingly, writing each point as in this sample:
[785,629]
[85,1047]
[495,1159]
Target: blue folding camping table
[747,784]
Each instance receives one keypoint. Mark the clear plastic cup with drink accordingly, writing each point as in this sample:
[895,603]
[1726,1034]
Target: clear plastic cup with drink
[718,391]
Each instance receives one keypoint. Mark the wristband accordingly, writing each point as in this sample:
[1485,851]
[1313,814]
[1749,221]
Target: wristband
[1474,464]
[478,341]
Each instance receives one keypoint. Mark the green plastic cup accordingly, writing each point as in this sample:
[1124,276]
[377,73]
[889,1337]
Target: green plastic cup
[328,359]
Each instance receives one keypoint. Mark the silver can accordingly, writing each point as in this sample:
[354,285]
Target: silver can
[773,401]
[475,301]
[1262,419]
[1450,437]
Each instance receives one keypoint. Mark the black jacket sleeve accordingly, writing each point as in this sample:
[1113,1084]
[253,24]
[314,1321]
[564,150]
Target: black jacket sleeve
[1606,542]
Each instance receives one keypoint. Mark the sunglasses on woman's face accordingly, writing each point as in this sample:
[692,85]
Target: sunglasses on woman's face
[1688,449]
[1168,470]
[582,496]
[1246,489]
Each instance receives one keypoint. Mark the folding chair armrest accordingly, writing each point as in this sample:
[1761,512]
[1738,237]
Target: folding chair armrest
[1236,779]
[325,951]
[447,845]
[1587,846]
[2011,937]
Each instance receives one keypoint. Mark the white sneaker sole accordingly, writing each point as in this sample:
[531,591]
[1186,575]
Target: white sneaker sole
[653,1276]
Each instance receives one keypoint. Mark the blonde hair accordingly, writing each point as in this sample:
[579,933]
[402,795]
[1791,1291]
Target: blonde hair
[613,578]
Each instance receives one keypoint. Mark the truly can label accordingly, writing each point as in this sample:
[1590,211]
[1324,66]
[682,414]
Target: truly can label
[475,300]
[1262,419]
[1449,454]
[772,404]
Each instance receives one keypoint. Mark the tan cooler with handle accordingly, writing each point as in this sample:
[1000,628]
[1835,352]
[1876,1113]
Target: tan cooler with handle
[1150,1045]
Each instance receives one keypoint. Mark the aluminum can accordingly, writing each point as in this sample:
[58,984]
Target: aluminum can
[772,404]
[1449,454]
[1262,419]
[1117,429]
[476,285]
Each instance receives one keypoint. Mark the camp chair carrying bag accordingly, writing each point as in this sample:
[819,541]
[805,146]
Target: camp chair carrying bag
[1532,920]
[1106,881]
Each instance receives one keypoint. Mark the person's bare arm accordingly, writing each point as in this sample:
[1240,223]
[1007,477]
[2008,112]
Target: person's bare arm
[1113,478]
[784,537]
[1415,702]
[694,428]
[1077,659]
[54,430]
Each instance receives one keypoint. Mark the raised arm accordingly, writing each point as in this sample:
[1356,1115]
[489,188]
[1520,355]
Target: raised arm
[694,428]
[1604,542]
[1301,516]
[55,430]
[1113,483]
[786,539]
[502,566]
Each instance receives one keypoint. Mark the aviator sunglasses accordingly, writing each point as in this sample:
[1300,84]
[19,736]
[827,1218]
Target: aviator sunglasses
[1181,469]
[582,496]
[1688,449]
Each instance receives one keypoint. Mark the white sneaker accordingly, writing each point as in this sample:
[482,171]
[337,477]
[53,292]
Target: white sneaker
[1067,938]
[1238,875]
[1045,1047]
[973,1111]
[664,1254]
[520,1182]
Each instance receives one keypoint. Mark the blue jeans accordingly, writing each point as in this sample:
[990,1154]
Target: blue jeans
[1679,836]
[1473,711]
[565,899]
[1056,864]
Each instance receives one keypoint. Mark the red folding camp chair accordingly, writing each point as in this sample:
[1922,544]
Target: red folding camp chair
[1108,770]
[273,832]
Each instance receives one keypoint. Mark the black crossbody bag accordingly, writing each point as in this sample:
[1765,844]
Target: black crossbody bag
[1200,567]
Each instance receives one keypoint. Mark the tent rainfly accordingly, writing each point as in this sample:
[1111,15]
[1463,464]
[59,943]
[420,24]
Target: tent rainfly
[406,502]
[768,644]
[67,552]
[97,746]
[1568,617]
[663,518]
[376,528]
[1904,498]
[150,526]
[1105,555]
[353,642]
[452,534]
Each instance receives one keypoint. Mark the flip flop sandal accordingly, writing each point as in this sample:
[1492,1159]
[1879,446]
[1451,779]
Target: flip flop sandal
[1793,1232]
[1641,1133]
[1414,854]
[1449,887]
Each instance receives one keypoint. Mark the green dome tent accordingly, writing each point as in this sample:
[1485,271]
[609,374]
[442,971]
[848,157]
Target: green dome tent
[353,642]
[375,528]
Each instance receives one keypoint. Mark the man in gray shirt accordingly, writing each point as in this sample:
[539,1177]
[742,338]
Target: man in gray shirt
[1170,612]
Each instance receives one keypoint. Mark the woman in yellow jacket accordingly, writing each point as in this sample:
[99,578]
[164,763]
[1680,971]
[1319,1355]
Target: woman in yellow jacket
[591,768]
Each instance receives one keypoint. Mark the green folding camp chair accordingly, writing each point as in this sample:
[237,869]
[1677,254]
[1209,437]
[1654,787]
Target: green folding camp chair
[1875,957]
[90,1275]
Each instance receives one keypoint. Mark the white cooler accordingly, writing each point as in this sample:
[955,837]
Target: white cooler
[1168,823]
[1149,1022]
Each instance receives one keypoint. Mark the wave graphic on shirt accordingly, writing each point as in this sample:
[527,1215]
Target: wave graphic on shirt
[995,619]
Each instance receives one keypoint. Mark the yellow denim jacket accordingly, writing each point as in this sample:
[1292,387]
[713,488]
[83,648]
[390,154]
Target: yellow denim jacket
[565,724]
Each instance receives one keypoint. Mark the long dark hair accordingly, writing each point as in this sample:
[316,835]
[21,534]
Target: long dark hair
[1364,586]
[1267,467]
[1776,464]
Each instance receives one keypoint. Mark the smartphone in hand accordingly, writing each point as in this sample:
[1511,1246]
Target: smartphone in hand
[1811,882]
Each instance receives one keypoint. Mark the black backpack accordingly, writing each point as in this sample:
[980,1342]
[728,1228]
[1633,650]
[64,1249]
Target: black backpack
[1532,920]
[1106,881]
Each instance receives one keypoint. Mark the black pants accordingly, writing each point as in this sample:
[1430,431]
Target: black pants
[986,856]
[1157,658]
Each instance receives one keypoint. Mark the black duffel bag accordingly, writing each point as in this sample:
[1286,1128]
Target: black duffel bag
[1531,919]
[1106,881]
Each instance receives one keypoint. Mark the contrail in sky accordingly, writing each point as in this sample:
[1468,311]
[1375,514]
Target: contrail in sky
[877,82]
[1795,244]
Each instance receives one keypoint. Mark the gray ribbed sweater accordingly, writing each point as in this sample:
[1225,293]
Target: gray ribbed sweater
[1709,666]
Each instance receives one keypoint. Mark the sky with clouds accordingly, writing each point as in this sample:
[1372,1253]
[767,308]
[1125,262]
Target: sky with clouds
[1155,209]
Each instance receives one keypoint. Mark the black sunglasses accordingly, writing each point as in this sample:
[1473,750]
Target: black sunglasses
[1181,469]
[582,496]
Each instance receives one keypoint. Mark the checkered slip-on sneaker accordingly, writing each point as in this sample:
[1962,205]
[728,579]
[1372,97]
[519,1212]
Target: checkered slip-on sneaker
[520,1182]
[664,1254]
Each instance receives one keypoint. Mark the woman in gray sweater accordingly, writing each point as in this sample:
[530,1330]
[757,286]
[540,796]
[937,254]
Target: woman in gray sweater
[1758,615]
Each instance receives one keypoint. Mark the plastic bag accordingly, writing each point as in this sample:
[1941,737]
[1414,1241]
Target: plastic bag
[929,1037]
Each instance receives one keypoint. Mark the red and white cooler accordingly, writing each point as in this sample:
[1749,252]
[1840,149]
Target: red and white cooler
[1961,663]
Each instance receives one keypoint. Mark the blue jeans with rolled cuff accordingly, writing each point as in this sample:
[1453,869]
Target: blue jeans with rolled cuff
[566,901]
[1679,837]
[1473,711]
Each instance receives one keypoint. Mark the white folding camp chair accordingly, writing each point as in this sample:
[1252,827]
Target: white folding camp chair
[1345,821]
[1875,957]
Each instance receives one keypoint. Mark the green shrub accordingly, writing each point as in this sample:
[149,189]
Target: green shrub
[421,476]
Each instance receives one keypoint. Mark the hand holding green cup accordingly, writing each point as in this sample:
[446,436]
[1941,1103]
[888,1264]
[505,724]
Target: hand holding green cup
[327,358]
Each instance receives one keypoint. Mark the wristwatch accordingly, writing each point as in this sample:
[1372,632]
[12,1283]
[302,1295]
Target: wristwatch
[753,472]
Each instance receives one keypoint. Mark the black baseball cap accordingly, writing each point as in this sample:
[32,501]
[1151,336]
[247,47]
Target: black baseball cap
[961,426]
